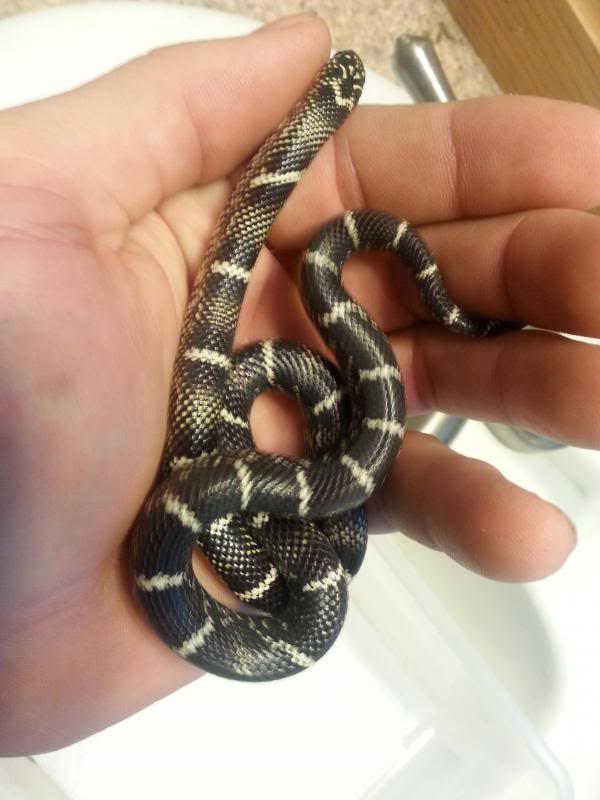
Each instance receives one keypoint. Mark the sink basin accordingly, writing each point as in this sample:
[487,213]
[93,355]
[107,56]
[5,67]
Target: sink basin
[540,640]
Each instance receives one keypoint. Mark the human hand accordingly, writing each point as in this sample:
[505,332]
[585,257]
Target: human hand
[107,198]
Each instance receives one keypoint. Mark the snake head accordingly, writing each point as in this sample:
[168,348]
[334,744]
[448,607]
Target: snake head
[344,73]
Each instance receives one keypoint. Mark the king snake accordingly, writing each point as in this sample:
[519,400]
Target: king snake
[285,534]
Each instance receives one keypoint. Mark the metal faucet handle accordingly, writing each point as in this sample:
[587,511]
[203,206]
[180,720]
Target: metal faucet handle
[416,64]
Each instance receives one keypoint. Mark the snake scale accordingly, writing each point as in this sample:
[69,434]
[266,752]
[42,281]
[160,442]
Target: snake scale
[285,534]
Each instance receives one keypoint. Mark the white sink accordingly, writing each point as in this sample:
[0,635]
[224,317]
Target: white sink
[439,681]
[541,640]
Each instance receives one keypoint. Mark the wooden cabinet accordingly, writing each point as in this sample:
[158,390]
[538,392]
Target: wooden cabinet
[543,47]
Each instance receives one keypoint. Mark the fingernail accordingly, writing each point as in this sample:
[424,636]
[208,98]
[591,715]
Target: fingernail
[290,21]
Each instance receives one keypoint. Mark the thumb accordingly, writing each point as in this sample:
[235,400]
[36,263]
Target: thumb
[177,116]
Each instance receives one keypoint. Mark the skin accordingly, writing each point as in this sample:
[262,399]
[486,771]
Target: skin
[107,197]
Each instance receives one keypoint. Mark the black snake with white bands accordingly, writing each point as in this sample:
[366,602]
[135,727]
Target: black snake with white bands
[285,534]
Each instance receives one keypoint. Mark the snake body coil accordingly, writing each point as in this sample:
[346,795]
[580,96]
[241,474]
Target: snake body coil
[285,534]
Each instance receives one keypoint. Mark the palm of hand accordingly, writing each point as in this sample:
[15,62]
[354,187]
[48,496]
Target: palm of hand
[88,342]
[93,332]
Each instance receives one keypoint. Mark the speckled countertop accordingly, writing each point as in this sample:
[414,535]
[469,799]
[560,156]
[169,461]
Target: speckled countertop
[368,26]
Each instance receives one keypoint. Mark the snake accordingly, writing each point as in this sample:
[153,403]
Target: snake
[286,535]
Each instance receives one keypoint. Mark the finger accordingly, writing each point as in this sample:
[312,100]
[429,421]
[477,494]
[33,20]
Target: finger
[535,380]
[176,116]
[467,509]
[541,267]
[437,162]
